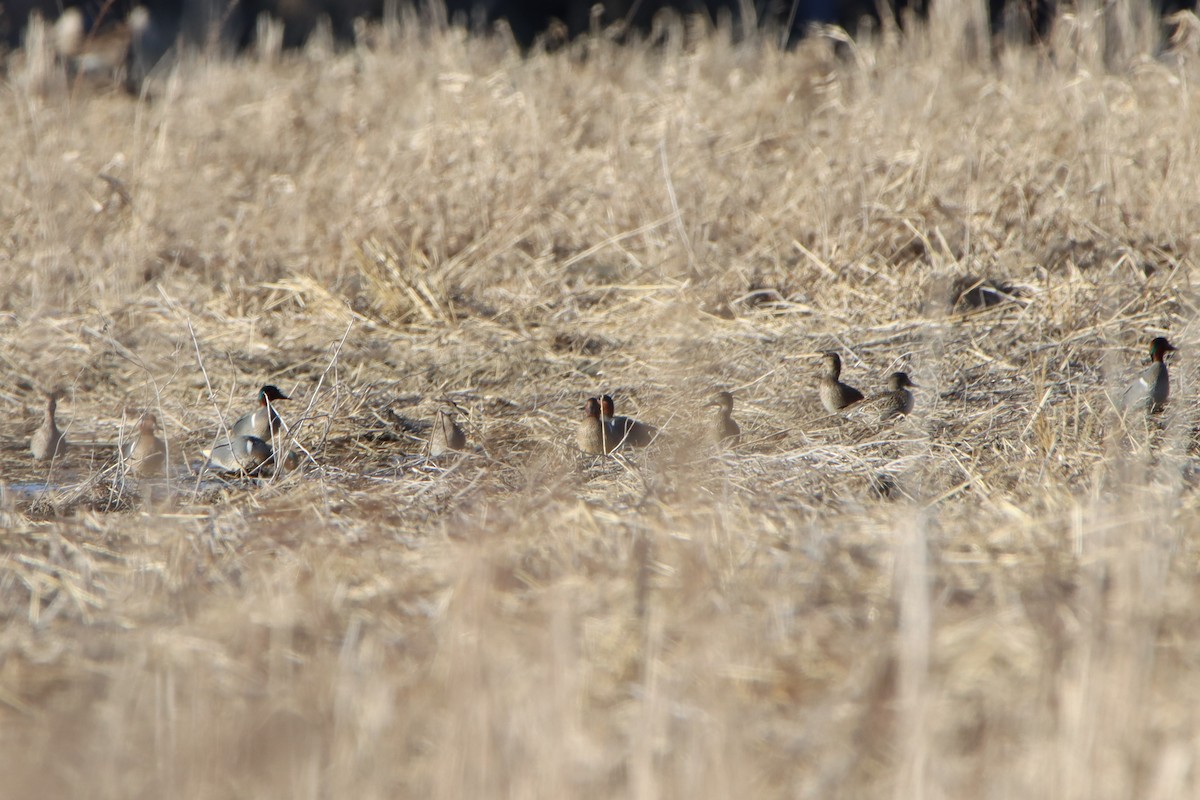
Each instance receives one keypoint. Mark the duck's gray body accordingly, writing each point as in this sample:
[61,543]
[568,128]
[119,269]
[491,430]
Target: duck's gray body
[242,454]
[1151,389]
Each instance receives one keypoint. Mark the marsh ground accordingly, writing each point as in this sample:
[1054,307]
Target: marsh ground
[436,217]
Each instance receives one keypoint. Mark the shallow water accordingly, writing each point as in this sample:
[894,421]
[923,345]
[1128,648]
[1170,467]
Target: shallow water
[30,488]
[114,492]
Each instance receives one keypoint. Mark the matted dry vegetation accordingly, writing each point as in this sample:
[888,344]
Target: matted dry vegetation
[437,218]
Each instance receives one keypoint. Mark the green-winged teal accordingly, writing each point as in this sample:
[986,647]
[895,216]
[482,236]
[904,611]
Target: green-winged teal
[721,425]
[445,435]
[899,400]
[291,462]
[623,430]
[1151,388]
[263,421]
[836,395]
[48,442]
[243,454]
[147,454]
[591,434]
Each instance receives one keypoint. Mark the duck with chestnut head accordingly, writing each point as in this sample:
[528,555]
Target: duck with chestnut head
[1152,386]
[263,422]
[591,434]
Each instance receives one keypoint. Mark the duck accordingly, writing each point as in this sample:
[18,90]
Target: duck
[591,434]
[721,425]
[1151,388]
[836,395]
[445,435]
[899,400]
[48,441]
[291,462]
[243,454]
[263,422]
[147,454]
[623,430]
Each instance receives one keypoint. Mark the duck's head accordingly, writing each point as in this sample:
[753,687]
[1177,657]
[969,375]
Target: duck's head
[148,423]
[722,400]
[900,380]
[1160,347]
[53,395]
[831,364]
[592,407]
[607,407]
[270,394]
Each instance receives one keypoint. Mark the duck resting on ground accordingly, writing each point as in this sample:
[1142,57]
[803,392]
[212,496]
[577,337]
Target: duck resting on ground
[263,421]
[147,454]
[591,434]
[836,395]
[899,400]
[48,441]
[721,425]
[624,430]
[1152,386]
[243,454]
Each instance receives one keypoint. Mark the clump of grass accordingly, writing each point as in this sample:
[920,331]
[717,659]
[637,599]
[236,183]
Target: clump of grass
[404,289]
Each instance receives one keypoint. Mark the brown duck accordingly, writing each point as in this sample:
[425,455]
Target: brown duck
[836,395]
[147,454]
[721,425]
[591,434]
[899,400]
[48,441]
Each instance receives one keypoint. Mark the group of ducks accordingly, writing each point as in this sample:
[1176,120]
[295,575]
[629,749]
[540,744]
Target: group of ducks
[247,448]
[601,432]
[250,443]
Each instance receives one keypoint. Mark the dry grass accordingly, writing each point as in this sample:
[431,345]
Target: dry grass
[437,218]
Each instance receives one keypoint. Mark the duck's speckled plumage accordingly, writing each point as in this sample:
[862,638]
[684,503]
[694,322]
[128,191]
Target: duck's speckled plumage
[899,400]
